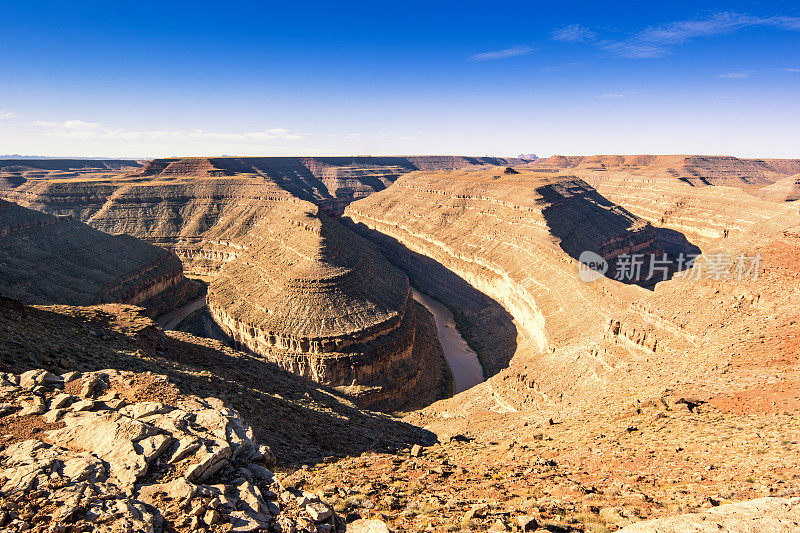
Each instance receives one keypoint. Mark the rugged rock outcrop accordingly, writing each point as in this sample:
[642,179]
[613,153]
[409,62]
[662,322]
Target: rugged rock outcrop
[505,236]
[697,170]
[121,451]
[303,422]
[199,207]
[321,302]
[763,514]
[55,260]
[705,197]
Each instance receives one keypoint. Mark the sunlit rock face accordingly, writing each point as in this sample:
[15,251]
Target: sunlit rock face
[514,239]
[56,260]
[705,197]
[488,242]
[323,303]
[198,206]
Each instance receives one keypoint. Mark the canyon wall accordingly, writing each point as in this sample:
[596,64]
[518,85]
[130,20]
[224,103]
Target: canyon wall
[700,196]
[55,260]
[514,239]
[697,170]
[321,302]
[604,345]
[199,207]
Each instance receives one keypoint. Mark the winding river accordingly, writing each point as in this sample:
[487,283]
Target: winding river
[464,364]
[467,370]
[170,320]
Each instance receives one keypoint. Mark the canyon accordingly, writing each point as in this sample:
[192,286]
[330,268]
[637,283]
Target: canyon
[323,303]
[607,400]
[55,260]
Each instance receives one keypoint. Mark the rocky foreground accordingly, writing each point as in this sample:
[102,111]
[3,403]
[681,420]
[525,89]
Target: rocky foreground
[124,451]
[610,406]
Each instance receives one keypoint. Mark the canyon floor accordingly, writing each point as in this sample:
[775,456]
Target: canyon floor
[617,403]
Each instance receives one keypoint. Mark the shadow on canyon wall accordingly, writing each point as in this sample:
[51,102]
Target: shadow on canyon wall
[302,422]
[584,220]
[482,321]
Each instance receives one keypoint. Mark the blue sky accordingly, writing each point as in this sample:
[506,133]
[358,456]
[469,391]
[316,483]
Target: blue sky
[291,78]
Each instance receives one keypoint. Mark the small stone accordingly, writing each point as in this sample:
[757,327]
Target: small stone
[478,510]
[35,406]
[32,378]
[245,523]
[93,387]
[197,510]
[368,526]
[416,450]
[70,376]
[83,405]
[143,409]
[318,511]
[61,400]
[498,526]
[527,523]
[306,499]
[53,415]
[211,517]
[611,515]
[264,453]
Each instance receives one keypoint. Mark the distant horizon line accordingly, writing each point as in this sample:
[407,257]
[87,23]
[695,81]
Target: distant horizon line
[21,157]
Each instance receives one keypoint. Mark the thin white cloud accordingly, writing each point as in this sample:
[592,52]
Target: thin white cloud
[82,129]
[563,66]
[658,41]
[5,114]
[735,75]
[503,54]
[68,125]
[791,69]
[574,33]
[615,96]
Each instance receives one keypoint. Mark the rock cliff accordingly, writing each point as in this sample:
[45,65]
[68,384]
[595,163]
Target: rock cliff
[55,260]
[199,207]
[697,170]
[589,346]
[700,196]
[509,237]
[321,302]
[610,403]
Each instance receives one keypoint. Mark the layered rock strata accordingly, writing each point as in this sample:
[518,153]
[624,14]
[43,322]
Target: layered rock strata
[705,197]
[762,514]
[510,237]
[121,451]
[199,207]
[55,260]
[323,303]
[696,170]
[590,348]
[304,422]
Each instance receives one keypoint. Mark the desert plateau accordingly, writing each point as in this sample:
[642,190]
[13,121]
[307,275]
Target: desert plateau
[601,404]
[419,267]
